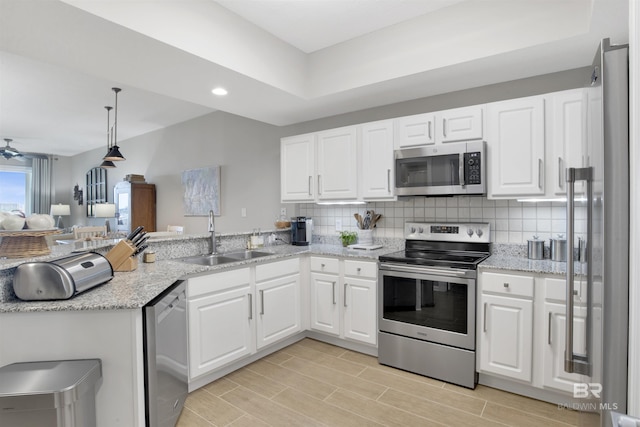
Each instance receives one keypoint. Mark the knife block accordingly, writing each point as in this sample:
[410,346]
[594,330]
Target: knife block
[121,257]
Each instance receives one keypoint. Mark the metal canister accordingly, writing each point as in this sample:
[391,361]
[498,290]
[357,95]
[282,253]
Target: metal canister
[535,248]
[559,249]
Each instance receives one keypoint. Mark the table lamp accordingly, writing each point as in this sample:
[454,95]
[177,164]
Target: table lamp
[105,210]
[60,210]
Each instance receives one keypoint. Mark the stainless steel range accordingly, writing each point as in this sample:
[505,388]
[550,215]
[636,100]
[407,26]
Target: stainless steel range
[427,301]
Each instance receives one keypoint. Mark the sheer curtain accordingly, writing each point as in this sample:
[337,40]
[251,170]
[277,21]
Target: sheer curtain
[41,176]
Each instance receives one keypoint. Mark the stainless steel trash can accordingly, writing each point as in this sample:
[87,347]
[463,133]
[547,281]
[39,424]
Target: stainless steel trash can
[57,393]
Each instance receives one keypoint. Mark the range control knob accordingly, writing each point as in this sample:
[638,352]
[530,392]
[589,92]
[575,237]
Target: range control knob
[479,232]
[470,231]
[420,230]
[413,230]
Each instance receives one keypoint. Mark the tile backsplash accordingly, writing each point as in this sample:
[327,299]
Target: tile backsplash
[511,221]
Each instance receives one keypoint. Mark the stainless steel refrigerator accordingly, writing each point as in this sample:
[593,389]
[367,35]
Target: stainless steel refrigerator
[598,227]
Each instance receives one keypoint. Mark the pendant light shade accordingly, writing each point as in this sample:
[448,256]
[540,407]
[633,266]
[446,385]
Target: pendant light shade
[108,163]
[114,154]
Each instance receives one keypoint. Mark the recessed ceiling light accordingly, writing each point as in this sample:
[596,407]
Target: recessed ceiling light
[220,91]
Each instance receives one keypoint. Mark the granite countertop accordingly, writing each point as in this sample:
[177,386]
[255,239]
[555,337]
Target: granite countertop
[523,264]
[132,290]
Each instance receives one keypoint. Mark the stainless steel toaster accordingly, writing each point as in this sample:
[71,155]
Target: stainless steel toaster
[62,278]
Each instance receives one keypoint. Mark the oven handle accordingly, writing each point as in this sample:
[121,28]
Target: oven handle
[423,270]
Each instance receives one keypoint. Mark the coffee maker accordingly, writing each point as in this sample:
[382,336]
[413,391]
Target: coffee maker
[301,231]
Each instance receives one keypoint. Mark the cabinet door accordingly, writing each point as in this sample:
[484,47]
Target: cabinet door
[278,309]
[553,359]
[568,139]
[506,336]
[337,164]
[415,131]
[297,168]
[378,165]
[460,124]
[325,308]
[515,141]
[220,329]
[360,310]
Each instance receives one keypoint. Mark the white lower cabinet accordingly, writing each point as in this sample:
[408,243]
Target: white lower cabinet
[522,332]
[220,320]
[278,301]
[506,325]
[232,314]
[343,298]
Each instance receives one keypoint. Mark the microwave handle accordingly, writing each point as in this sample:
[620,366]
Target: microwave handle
[461,169]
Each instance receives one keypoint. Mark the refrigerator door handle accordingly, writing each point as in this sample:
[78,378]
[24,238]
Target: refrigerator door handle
[574,363]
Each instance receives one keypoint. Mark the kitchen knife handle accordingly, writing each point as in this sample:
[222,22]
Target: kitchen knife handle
[261,302]
[334,293]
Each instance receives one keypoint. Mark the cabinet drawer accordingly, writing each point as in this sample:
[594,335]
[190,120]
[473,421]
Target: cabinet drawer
[325,265]
[361,269]
[508,284]
[216,282]
[556,289]
[277,269]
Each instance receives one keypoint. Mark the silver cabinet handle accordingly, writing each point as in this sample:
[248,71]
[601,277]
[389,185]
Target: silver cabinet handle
[334,293]
[250,306]
[310,184]
[261,302]
[574,363]
[345,295]
[461,169]
[429,129]
[549,330]
[484,319]
[560,172]
[388,180]
[444,127]
[319,187]
[540,169]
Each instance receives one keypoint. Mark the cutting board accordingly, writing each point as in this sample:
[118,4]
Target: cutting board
[365,247]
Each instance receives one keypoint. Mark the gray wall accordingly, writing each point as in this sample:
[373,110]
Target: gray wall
[248,153]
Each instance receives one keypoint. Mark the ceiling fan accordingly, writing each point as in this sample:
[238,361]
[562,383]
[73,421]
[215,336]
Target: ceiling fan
[9,152]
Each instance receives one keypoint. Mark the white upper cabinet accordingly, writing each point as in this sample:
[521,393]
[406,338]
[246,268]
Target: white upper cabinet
[297,168]
[337,164]
[515,142]
[377,180]
[567,137]
[459,124]
[415,131]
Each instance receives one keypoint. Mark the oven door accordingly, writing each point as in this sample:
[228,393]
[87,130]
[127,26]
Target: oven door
[426,304]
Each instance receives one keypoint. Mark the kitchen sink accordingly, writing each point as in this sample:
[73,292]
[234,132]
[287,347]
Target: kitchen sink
[208,259]
[247,255]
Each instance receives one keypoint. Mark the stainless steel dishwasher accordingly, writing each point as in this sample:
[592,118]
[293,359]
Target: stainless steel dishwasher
[165,356]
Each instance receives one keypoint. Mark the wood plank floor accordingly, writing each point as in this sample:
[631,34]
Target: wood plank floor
[312,383]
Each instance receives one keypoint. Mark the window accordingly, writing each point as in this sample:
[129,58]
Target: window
[15,188]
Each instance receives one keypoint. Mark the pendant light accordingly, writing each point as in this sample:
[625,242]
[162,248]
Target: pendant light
[114,154]
[108,163]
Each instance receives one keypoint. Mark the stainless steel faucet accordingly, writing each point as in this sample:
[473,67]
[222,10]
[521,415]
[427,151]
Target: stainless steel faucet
[212,230]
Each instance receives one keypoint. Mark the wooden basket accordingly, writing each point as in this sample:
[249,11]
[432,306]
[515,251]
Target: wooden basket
[25,243]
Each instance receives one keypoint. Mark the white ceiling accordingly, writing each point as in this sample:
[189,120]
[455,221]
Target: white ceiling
[283,61]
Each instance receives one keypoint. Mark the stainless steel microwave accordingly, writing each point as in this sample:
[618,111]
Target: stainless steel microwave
[441,170]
